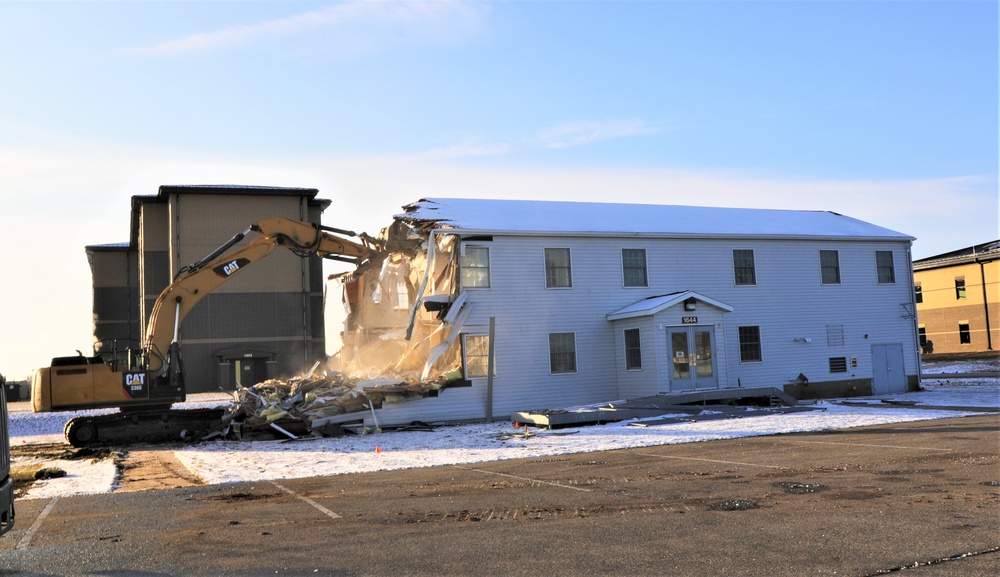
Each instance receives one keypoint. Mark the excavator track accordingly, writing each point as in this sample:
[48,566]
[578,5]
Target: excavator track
[151,425]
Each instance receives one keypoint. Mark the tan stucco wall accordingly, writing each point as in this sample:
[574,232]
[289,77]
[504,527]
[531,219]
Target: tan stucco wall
[941,311]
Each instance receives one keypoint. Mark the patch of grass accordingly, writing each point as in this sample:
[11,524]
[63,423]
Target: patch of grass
[24,477]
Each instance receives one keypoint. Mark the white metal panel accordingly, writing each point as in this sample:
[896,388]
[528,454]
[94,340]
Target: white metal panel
[454,404]
[789,304]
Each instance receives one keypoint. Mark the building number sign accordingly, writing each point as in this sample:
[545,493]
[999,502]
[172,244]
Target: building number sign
[689,320]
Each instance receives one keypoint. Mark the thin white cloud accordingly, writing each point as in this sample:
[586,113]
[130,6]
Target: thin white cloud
[566,135]
[442,21]
[466,151]
[585,132]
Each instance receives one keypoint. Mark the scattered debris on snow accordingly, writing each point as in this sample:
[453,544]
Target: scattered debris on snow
[314,406]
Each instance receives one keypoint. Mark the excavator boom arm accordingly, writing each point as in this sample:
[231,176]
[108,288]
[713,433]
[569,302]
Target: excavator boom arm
[195,281]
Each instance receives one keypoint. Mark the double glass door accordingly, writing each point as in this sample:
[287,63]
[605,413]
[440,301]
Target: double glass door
[691,354]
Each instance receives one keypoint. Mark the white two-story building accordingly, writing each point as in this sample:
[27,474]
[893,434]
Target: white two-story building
[593,302]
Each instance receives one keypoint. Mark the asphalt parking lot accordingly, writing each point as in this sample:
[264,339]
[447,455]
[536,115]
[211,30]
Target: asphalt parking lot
[918,498]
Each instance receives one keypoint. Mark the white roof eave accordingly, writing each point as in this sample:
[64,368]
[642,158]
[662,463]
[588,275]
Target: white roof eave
[657,304]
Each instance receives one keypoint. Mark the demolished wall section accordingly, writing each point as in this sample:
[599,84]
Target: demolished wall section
[396,316]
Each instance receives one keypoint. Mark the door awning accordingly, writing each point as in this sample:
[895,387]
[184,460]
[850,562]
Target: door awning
[652,305]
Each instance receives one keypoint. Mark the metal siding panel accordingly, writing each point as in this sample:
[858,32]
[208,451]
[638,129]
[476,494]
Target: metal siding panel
[109,268]
[200,368]
[455,404]
[526,312]
[209,221]
[155,270]
[636,383]
[154,227]
[246,315]
[788,301]
[111,304]
[317,318]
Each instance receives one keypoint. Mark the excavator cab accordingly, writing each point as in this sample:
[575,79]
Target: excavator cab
[109,378]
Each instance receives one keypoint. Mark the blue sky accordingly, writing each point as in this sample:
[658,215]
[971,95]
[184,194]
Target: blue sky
[884,111]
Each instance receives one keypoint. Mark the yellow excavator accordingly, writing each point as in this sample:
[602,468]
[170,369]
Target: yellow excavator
[145,386]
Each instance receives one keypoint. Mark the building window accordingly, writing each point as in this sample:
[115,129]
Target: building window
[562,352]
[886,270]
[743,267]
[964,334]
[633,350]
[829,264]
[634,267]
[960,287]
[922,333]
[838,364]
[475,265]
[557,268]
[918,293]
[477,349]
[750,345]
[402,296]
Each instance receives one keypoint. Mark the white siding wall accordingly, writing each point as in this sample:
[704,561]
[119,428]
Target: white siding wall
[644,382]
[788,302]
[526,312]
[455,404]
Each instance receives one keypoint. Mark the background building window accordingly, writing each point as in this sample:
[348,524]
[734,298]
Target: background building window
[743,267]
[750,344]
[633,350]
[838,364]
[918,294]
[960,287]
[829,264]
[885,267]
[475,265]
[562,352]
[634,267]
[557,268]
[477,349]
[964,334]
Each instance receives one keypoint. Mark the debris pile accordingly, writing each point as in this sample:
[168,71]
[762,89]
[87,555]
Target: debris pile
[314,406]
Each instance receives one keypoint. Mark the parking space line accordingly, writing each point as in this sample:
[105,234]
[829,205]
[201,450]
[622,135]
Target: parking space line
[523,478]
[30,533]
[866,445]
[307,500]
[712,461]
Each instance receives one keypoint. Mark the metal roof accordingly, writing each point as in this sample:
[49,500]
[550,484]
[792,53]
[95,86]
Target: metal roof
[168,189]
[986,252]
[559,217]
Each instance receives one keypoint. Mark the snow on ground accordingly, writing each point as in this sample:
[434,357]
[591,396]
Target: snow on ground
[228,461]
[935,368]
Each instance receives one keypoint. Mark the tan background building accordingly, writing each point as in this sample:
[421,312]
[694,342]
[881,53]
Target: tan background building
[958,300]
[266,322]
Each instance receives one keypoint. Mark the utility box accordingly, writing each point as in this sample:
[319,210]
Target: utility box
[12,392]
